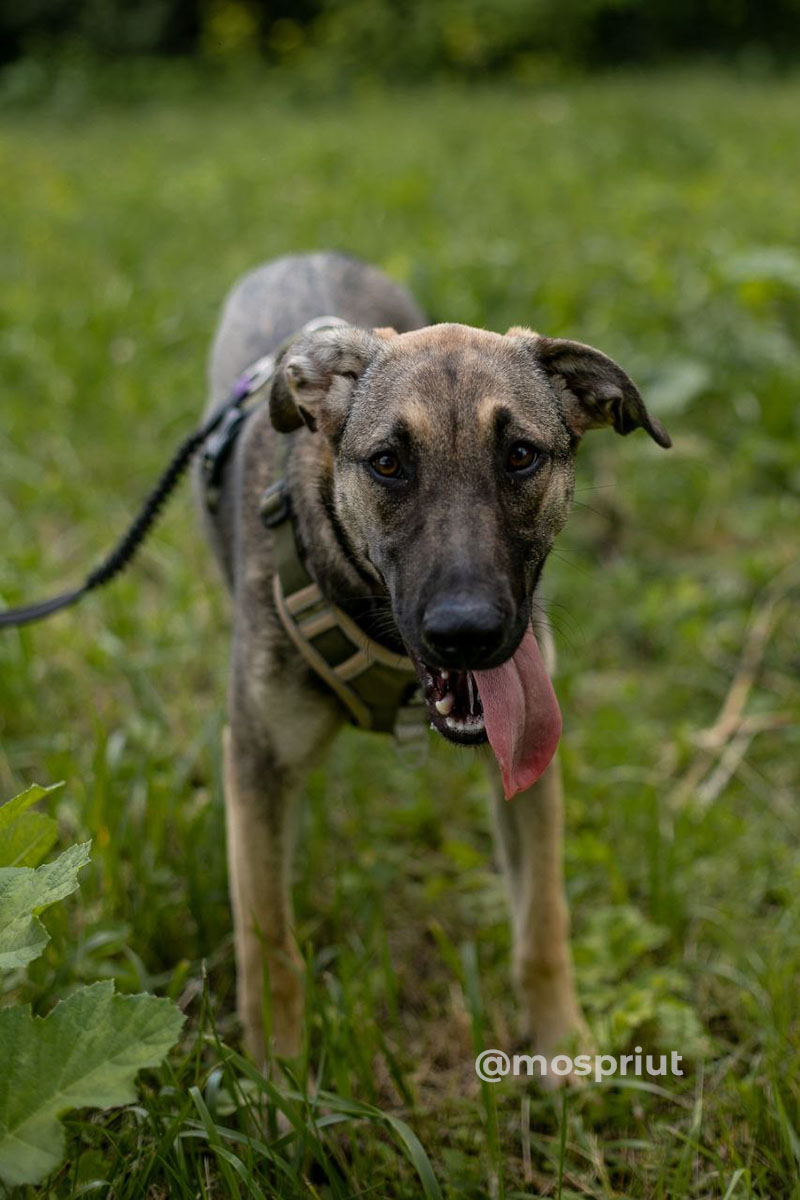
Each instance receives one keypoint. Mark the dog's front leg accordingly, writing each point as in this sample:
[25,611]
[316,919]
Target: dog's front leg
[259,821]
[263,776]
[528,831]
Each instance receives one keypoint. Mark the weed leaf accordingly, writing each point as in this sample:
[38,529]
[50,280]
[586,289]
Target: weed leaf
[26,837]
[24,892]
[86,1052]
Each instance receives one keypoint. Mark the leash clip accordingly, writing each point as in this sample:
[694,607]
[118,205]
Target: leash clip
[254,378]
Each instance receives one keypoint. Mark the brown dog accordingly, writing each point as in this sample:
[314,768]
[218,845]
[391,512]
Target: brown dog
[383,524]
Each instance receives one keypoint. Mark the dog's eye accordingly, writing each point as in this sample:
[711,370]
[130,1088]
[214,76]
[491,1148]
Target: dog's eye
[387,465]
[522,457]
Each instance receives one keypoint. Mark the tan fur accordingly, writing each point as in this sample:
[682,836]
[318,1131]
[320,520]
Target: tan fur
[486,412]
[529,834]
[266,955]
[418,415]
[529,840]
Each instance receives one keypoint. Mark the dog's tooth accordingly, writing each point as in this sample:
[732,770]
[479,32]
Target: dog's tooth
[471,687]
[445,675]
[445,705]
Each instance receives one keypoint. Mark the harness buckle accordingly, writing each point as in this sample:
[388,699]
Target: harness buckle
[254,378]
[274,506]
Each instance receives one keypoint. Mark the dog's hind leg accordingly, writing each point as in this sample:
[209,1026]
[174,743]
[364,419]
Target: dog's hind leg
[263,776]
[528,831]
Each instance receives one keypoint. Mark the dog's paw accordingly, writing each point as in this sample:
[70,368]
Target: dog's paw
[550,1057]
[556,1032]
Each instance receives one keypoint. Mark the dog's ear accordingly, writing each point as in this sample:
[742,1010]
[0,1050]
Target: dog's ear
[315,381]
[594,389]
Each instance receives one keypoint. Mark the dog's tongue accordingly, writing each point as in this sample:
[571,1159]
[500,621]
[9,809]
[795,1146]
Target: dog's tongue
[522,717]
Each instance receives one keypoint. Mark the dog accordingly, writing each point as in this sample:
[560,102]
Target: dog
[398,495]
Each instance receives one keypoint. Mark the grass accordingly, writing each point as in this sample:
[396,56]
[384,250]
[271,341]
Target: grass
[653,216]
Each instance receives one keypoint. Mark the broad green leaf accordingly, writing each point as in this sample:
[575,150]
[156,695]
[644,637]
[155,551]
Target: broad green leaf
[23,892]
[26,837]
[28,840]
[85,1053]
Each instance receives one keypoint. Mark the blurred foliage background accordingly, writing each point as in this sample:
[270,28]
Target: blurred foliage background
[407,39]
[521,166]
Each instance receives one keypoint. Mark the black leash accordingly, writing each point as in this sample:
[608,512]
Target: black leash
[253,379]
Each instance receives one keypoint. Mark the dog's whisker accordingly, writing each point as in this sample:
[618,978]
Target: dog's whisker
[599,512]
[576,566]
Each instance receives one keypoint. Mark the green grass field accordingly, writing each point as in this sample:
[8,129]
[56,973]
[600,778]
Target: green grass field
[655,217]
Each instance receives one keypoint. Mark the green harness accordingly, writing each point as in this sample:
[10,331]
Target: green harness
[379,689]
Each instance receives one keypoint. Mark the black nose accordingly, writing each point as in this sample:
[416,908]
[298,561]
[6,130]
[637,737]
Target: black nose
[462,631]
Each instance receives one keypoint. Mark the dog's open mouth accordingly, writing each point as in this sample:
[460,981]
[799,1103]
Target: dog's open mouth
[454,705]
[512,706]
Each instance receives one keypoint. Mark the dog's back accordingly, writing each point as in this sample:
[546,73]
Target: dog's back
[274,301]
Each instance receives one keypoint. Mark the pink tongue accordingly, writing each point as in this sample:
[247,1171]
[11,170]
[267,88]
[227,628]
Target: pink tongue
[522,717]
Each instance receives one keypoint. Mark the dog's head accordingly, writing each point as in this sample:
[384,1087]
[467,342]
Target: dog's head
[453,458]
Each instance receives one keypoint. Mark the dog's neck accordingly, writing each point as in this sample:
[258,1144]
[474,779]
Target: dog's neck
[329,555]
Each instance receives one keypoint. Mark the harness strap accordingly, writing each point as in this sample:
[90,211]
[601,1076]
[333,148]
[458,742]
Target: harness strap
[358,711]
[371,682]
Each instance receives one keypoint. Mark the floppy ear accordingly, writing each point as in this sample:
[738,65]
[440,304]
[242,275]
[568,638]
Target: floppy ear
[595,391]
[315,381]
